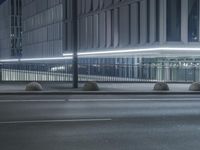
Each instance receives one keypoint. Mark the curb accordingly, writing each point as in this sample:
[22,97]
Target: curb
[99,93]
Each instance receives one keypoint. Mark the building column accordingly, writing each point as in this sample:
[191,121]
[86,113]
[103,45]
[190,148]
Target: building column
[184,21]
[152,21]
[143,22]
[163,21]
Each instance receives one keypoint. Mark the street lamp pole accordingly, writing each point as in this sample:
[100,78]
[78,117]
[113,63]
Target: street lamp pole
[75,43]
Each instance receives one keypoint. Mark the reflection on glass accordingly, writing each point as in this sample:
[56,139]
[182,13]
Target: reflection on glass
[193,20]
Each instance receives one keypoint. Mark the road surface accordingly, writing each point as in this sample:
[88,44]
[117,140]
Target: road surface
[100,122]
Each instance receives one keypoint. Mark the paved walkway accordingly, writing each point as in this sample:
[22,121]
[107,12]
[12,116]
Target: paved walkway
[114,87]
[142,87]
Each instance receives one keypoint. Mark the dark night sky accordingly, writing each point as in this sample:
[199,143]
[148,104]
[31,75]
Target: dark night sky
[1,1]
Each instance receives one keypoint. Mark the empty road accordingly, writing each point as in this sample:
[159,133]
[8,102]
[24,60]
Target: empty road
[109,122]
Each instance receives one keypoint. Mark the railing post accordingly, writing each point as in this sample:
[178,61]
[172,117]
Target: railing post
[75,44]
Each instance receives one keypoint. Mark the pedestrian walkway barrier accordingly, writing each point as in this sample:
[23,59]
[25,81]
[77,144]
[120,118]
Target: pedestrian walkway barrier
[63,72]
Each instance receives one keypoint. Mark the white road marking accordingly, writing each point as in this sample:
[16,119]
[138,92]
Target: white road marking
[148,99]
[54,121]
[20,101]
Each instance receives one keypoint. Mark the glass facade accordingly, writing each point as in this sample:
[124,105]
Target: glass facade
[16,28]
[173,20]
[193,20]
[44,28]
[11,29]
[104,25]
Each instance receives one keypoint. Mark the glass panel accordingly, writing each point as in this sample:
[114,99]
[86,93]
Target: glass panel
[173,20]
[193,20]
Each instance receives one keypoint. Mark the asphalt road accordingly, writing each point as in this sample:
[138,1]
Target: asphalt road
[83,122]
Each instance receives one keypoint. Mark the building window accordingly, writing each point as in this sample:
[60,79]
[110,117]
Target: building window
[193,21]
[12,7]
[157,20]
[173,20]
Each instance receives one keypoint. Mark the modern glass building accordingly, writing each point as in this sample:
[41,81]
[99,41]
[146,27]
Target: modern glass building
[10,29]
[156,39]
[141,39]
[43,28]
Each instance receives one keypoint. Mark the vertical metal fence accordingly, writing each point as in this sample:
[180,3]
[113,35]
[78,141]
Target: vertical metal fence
[62,72]
[36,72]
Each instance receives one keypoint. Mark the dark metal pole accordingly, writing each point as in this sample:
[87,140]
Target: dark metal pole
[75,43]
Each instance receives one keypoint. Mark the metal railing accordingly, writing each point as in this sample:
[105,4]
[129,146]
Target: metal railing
[99,72]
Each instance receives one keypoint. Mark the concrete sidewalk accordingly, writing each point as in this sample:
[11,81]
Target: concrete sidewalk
[142,87]
[56,87]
